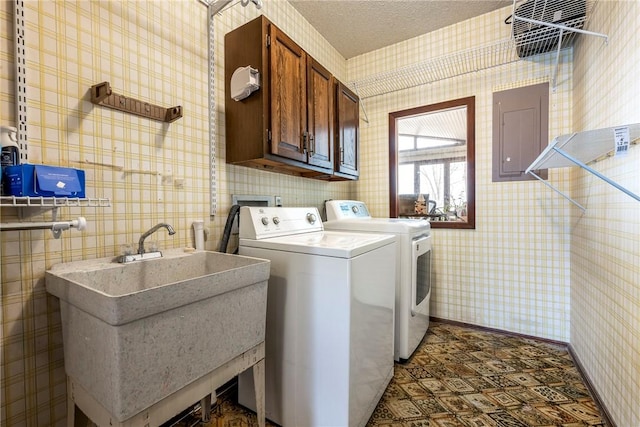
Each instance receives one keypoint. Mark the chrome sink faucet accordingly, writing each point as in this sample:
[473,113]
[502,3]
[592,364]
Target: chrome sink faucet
[128,256]
[150,232]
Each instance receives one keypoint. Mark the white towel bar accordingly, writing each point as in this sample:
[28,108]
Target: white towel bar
[56,227]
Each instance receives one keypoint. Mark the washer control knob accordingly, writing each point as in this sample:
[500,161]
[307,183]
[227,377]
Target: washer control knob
[355,209]
[264,220]
[276,220]
[311,218]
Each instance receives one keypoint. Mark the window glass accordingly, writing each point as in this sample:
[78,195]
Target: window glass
[406,177]
[458,178]
[406,142]
[423,142]
[432,182]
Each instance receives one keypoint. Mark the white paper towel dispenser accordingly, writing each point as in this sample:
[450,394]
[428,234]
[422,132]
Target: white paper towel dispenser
[244,81]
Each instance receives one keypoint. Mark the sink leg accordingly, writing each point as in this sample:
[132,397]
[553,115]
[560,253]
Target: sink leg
[205,407]
[75,416]
[71,412]
[258,385]
[81,420]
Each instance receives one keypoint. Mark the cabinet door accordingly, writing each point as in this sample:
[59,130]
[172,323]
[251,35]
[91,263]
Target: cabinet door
[320,96]
[348,138]
[288,96]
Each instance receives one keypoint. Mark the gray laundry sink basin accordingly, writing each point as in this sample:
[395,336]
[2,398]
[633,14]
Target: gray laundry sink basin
[135,333]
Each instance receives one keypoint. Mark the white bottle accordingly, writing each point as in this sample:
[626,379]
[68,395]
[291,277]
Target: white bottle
[9,152]
[9,143]
[198,230]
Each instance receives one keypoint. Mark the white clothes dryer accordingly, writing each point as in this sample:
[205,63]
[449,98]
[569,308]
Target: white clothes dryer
[330,313]
[413,266]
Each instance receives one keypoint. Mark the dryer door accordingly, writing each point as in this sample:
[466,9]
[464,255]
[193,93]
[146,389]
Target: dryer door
[420,275]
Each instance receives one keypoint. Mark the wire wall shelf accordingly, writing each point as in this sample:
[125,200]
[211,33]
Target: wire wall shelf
[538,26]
[435,69]
[581,149]
[30,205]
[52,202]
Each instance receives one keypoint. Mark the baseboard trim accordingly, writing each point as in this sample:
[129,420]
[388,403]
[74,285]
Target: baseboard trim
[500,331]
[594,393]
[592,390]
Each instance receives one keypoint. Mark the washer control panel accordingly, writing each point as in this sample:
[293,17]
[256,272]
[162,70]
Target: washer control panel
[343,209]
[260,222]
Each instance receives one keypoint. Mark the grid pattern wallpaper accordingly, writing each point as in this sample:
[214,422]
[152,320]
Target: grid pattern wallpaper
[154,51]
[511,272]
[605,240]
[151,171]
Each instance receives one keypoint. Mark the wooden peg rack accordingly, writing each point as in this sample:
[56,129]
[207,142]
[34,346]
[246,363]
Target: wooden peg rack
[101,94]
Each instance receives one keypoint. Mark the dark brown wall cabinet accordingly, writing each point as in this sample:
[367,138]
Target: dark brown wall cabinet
[293,123]
[348,132]
[520,130]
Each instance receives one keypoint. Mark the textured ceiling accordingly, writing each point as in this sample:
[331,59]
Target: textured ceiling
[355,27]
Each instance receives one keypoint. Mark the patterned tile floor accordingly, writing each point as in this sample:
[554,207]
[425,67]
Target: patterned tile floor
[466,377]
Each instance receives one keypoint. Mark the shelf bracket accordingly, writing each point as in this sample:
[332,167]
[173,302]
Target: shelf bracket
[554,79]
[355,89]
[101,94]
[588,169]
[582,208]
[596,173]
[591,146]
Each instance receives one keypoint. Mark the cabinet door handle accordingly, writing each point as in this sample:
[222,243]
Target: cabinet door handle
[341,154]
[305,135]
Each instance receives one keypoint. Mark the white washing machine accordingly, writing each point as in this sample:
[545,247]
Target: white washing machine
[413,281]
[330,314]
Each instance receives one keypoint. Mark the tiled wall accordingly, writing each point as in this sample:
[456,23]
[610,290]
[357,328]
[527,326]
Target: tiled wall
[605,240]
[511,272]
[154,51]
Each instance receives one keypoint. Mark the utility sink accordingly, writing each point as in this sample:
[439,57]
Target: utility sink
[135,333]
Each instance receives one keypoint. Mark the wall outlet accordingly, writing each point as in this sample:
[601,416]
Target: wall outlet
[278,200]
